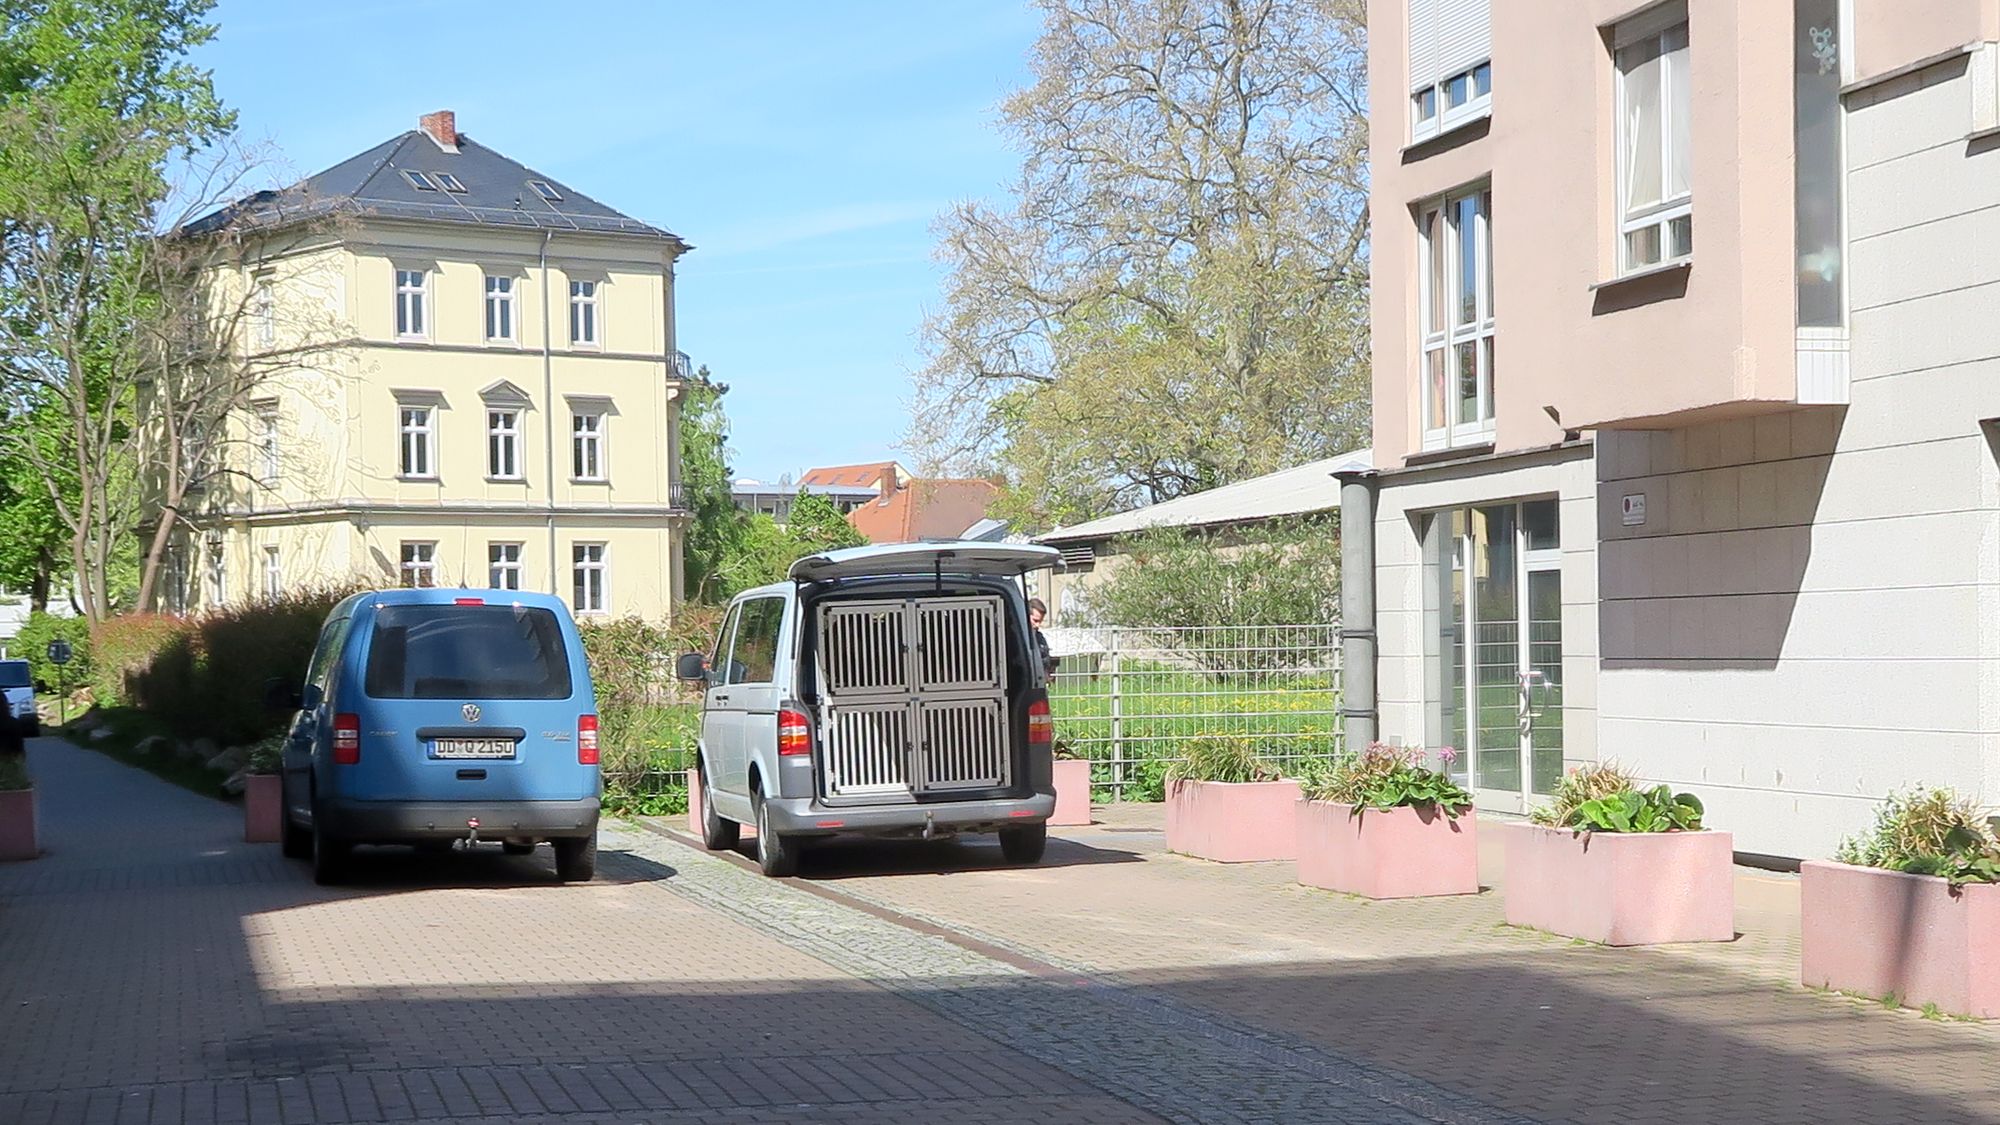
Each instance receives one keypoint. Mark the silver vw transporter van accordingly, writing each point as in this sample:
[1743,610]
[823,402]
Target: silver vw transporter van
[893,690]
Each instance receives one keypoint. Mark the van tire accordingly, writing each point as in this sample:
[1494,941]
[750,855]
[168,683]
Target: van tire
[34,729]
[717,834]
[777,856]
[1025,844]
[329,854]
[576,858]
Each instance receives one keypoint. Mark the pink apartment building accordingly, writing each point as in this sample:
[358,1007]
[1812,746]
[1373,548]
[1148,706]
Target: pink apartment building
[1687,365]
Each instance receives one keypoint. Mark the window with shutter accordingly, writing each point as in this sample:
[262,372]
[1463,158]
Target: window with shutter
[1451,69]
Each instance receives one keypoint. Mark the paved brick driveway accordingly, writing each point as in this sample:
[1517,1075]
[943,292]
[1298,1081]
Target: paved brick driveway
[154,969]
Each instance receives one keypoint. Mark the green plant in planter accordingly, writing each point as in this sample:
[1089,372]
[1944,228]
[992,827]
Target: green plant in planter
[1603,798]
[14,773]
[1220,758]
[1927,832]
[1388,777]
[267,756]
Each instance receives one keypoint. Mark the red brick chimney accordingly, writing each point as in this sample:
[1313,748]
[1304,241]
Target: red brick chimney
[442,127]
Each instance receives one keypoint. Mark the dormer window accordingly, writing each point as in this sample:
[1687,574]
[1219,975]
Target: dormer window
[448,182]
[542,188]
[419,181]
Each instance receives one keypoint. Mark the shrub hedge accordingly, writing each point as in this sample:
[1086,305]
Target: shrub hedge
[32,643]
[204,676]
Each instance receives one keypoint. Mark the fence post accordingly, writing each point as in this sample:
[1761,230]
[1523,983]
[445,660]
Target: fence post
[1117,725]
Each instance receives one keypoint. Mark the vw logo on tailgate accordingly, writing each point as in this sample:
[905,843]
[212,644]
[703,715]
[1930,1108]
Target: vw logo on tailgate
[470,711]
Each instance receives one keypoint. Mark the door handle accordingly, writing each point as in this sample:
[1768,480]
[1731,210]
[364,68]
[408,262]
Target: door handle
[1530,682]
[719,697]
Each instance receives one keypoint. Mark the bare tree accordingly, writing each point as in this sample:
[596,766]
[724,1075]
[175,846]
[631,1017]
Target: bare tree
[124,336]
[1176,295]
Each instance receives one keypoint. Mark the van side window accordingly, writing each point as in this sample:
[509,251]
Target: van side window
[755,659]
[331,639]
[718,663]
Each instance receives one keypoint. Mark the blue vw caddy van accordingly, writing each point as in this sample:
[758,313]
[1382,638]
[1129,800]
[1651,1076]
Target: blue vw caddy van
[429,716]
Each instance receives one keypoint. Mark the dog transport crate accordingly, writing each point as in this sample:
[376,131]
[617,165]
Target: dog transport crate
[914,696]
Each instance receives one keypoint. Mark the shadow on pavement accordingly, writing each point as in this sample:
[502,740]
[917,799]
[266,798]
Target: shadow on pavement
[853,858]
[382,870]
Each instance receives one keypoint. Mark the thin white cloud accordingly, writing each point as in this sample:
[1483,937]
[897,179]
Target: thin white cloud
[805,226]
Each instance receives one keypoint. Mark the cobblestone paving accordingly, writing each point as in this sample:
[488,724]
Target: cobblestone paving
[153,968]
[1441,988]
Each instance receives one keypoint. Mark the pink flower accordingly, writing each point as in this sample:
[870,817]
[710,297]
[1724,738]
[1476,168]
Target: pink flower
[1447,755]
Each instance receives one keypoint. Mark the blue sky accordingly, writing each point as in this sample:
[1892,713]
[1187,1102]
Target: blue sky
[803,148]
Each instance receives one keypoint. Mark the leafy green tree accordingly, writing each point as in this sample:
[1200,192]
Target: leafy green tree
[33,541]
[1288,574]
[706,477]
[766,549]
[97,99]
[1175,295]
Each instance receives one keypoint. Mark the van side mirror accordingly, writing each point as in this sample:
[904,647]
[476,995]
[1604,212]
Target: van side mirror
[282,695]
[692,667]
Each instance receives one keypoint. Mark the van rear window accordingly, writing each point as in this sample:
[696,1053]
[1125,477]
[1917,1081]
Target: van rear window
[13,673]
[467,652]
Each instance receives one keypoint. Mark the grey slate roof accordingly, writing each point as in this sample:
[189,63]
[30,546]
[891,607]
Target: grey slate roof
[372,183]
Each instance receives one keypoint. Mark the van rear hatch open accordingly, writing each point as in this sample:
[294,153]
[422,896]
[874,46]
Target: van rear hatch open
[987,560]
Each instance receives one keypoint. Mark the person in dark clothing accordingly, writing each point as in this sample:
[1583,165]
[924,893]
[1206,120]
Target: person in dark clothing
[1038,612]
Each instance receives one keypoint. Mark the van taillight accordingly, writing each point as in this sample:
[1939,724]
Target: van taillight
[794,733]
[1041,725]
[586,740]
[346,740]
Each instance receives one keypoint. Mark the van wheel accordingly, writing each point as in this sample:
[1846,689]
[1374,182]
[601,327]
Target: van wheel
[329,855]
[717,834]
[294,841]
[777,855]
[34,728]
[1024,845]
[576,858]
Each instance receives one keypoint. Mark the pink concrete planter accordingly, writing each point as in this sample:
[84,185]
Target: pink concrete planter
[263,808]
[1621,888]
[17,825]
[1072,792]
[1386,853]
[1867,930]
[1232,821]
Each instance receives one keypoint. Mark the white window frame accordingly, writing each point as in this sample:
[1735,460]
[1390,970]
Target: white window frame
[588,446]
[503,443]
[274,575]
[417,447]
[1656,26]
[264,312]
[1478,79]
[218,569]
[501,308]
[268,453]
[413,304]
[419,564]
[1447,340]
[590,578]
[503,566]
[586,310]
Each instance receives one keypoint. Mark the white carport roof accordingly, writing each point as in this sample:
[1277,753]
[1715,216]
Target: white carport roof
[1297,491]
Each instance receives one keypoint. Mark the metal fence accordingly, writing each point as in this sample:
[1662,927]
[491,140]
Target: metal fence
[1131,698]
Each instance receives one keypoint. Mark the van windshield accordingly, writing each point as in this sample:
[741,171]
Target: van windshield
[13,673]
[467,652]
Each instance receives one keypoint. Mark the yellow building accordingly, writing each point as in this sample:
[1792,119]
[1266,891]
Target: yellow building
[486,390]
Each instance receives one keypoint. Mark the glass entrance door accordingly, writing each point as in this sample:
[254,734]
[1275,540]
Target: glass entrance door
[1494,689]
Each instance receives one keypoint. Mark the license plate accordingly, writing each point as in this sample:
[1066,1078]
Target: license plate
[472,748]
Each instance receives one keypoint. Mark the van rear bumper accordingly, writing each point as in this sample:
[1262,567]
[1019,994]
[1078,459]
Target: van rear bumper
[365,821]
[802,817]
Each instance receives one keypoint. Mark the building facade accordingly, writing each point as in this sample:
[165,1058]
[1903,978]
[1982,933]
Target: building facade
[1686,366]
[486,391]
